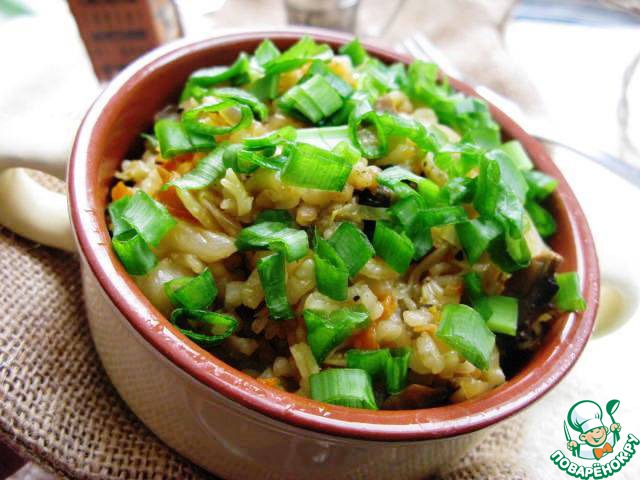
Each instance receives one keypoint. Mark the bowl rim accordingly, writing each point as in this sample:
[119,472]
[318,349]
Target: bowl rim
[403,425]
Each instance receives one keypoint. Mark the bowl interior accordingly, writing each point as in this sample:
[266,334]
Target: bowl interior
[110,133]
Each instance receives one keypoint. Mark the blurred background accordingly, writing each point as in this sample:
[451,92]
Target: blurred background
[567,66]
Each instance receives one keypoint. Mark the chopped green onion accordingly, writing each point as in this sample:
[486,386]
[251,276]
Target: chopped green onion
[324,137]
[152,140]
[540,185]
[332,276]
[275,236]
[314,167]
[476,235]
[510,174]
[569,297]
[212,328]
[408,212]
[464,330]
[174,139]
[120,225]
[347,151]
[195,120]
[242,96]
[355,51]
[281,216]
[542,219]
[134,253]
[271,139]
[394,177]
[265,88]
[517,154]
[373,362]
[395,248]
[368,134]
[347,387]
[194,293]
[148,217]
[237,73]
[272,272]
[297,55]
[319,67]
[397,369]
[395,125]
[352,246]
[315,99]
[234,158]
[208,170]
[458,190]
[326,331]
[473,286]
[500,313]
[266,52]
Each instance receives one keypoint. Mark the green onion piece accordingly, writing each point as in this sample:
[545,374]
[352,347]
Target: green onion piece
[373,362]
[368,134]
[353,247]
[458,190]
[148,217]
[332,276]
[275,236]
[473,286]
[396,126]
[324,137]
[194,293]
[265,88]
[174,139]
[259,109]
[208,170]
[196,120]
[281,216]
[134,253]
[476,235]
[237,73]
[271,139]
[152,140]
[394,177]
[272,272]
[315,99]
[429,190]
[542,219]
[408,212]
[325,331]
[540,185]
[297,55]
[569,297]
[266,52]
[464,330]
[203,327]
[397,369]
[319,67]
[500,313]
[517,154]
[314,167]
[510,174]
[347,151]
[248,161]
[395,248]
[355,51]
[347,387]
[120,225]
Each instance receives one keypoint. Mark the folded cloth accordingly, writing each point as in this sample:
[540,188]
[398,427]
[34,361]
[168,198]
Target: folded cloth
[56,403]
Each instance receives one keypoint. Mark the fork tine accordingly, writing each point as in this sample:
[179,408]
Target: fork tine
[414,49]
[436,55]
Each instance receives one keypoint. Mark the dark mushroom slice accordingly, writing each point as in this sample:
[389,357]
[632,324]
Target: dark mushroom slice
[417,396]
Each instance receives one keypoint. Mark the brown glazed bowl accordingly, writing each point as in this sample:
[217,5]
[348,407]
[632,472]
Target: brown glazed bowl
[223,419]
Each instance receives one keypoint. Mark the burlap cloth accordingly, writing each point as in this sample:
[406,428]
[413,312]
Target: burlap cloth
[57,406]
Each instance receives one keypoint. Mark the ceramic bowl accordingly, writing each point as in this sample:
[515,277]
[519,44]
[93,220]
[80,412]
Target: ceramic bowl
[226,421]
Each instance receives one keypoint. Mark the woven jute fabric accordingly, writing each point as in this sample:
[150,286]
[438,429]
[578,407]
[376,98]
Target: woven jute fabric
[58,408]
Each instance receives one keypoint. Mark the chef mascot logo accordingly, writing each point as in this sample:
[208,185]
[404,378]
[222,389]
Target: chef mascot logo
[596,452]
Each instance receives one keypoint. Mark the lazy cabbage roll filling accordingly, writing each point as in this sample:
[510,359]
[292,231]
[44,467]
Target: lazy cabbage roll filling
[347,230]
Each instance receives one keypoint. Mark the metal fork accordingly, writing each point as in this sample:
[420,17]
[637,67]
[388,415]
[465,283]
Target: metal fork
[420,47]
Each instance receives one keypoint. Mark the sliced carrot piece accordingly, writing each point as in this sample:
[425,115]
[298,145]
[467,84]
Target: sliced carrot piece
[366,339]
[169,198]
[120,190]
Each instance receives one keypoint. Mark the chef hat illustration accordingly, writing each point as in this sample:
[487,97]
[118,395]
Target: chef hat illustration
[585,416]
